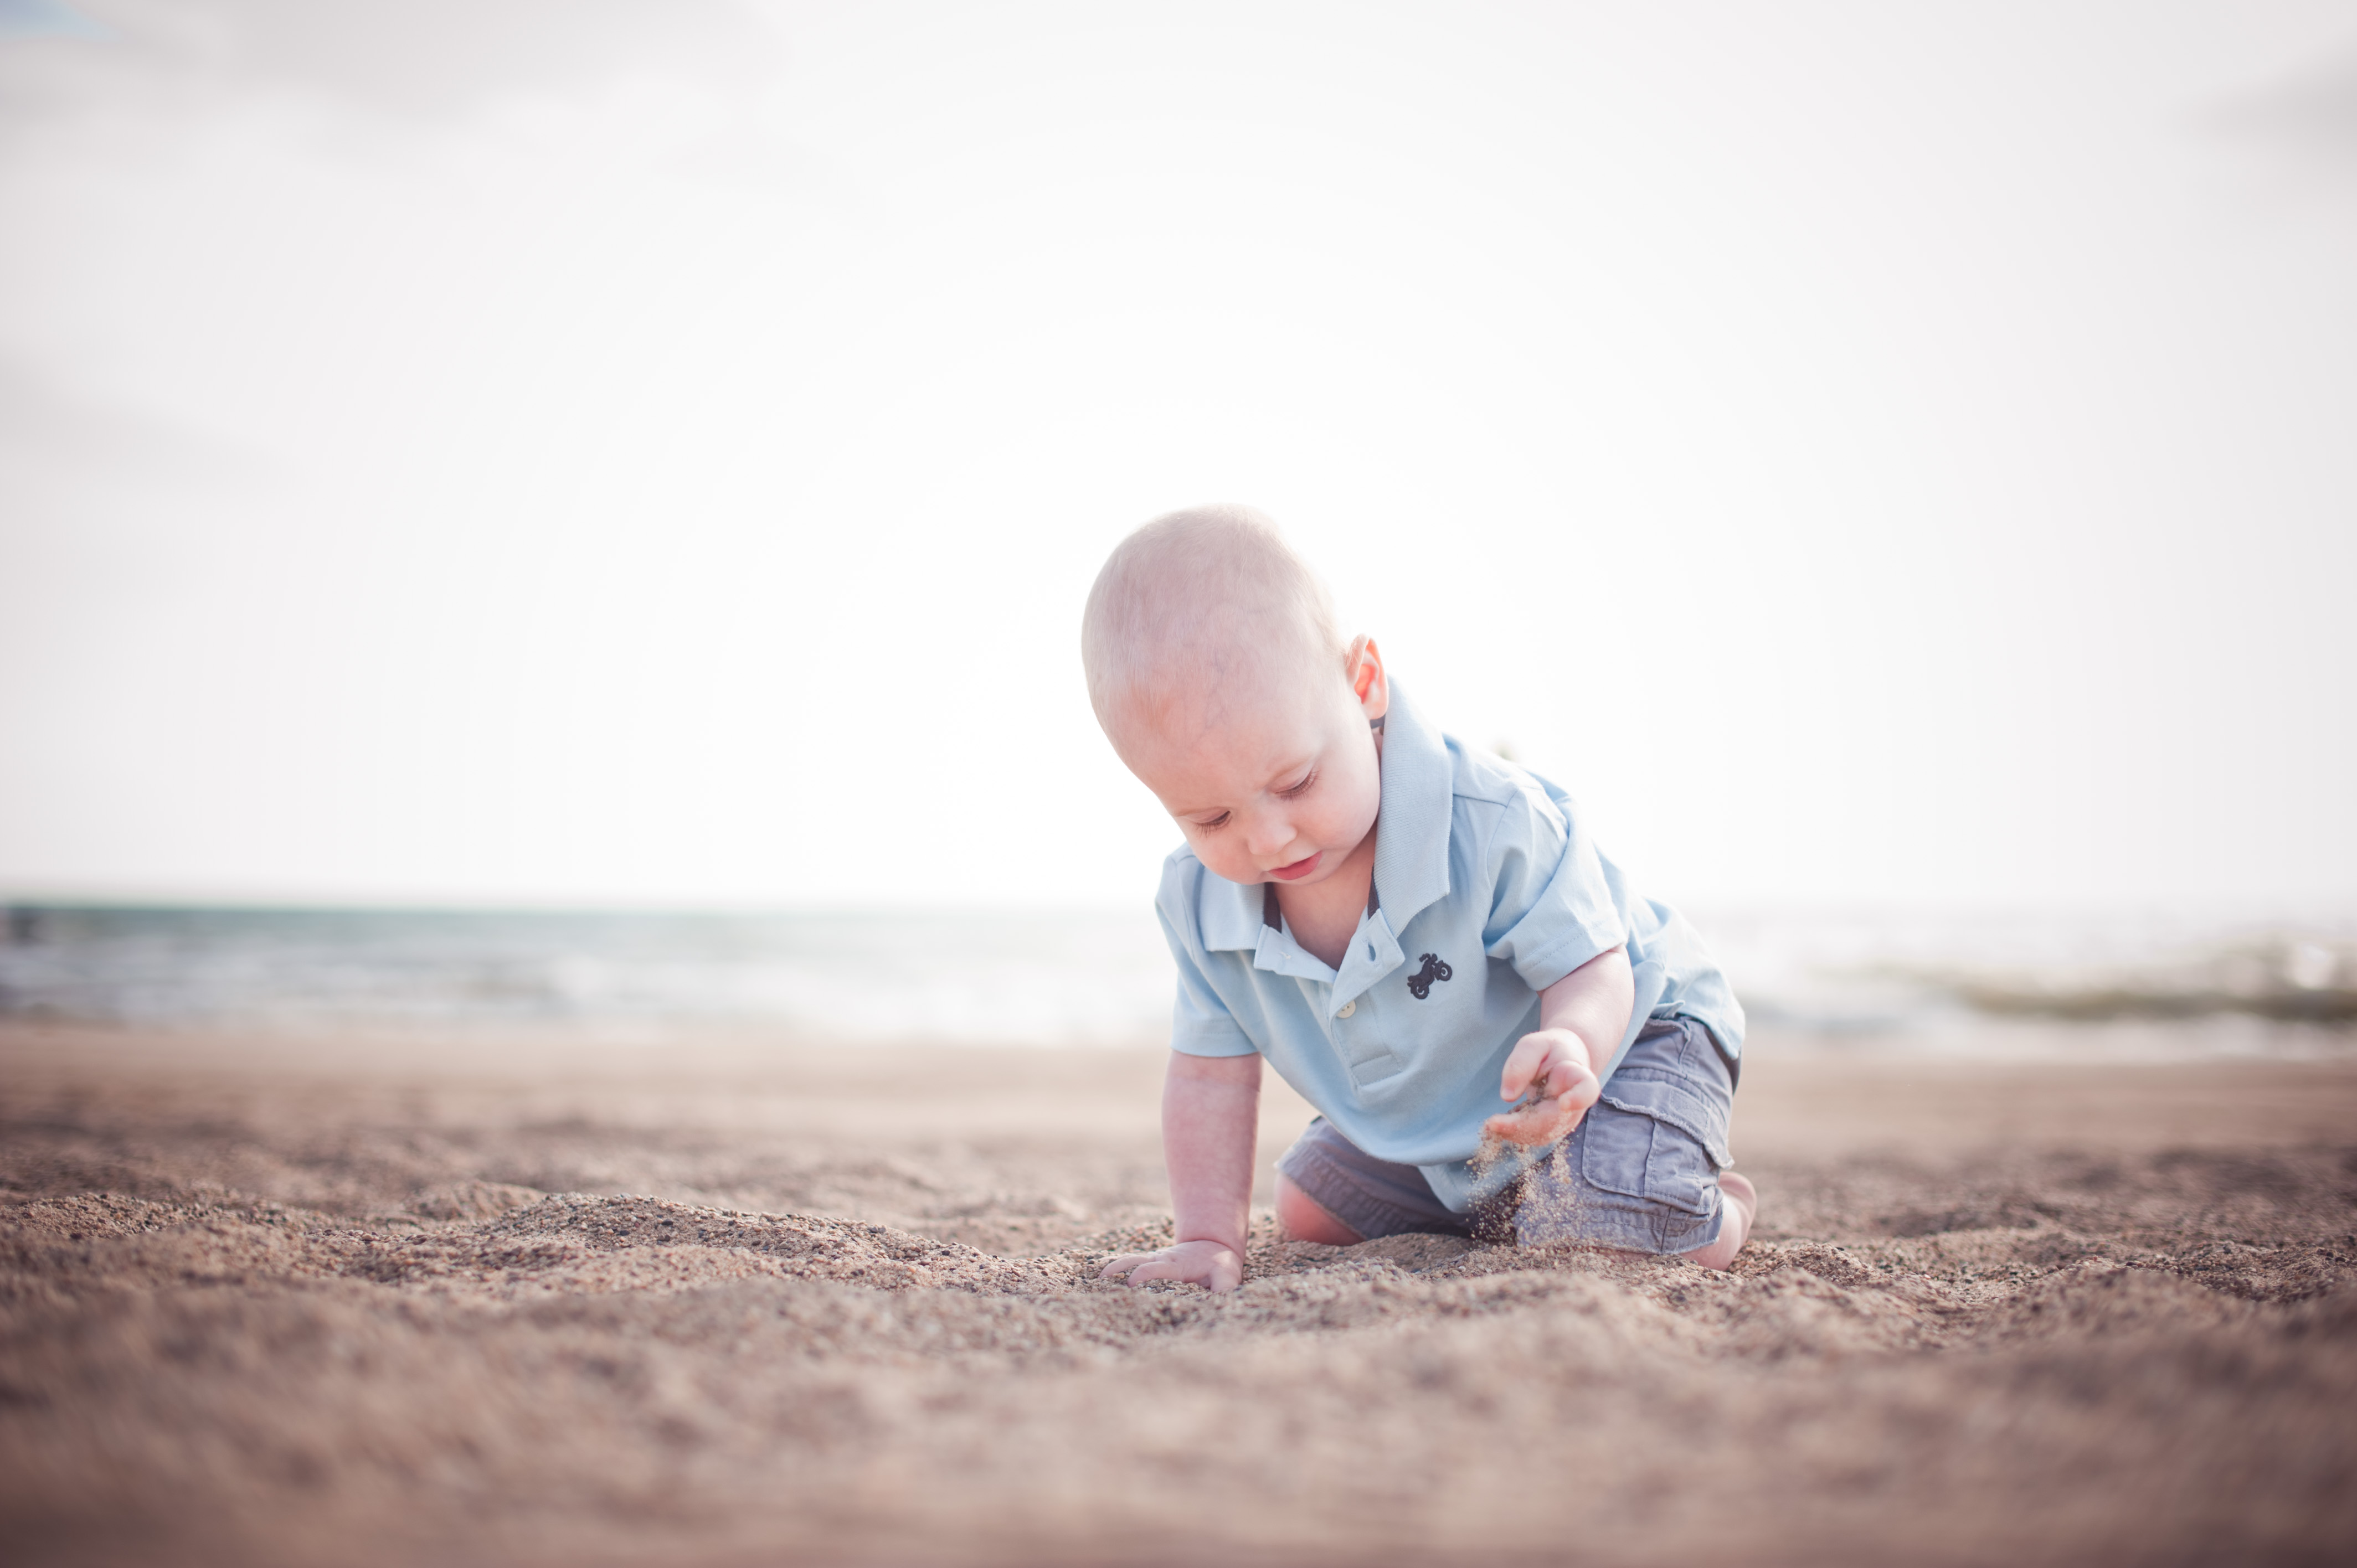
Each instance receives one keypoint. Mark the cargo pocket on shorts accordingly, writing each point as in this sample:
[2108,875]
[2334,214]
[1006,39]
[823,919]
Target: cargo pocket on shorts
[1654,1138]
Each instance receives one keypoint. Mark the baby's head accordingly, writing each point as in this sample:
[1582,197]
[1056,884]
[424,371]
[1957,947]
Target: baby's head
[1218,675]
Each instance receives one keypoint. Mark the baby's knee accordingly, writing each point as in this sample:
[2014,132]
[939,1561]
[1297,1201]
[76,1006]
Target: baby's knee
[1301,1218]
[1741,1201]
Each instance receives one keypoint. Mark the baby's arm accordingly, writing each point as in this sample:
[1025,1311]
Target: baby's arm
[1581,1018]
[1211,1120]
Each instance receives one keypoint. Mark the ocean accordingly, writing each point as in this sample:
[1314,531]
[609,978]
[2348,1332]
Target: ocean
[1100,977]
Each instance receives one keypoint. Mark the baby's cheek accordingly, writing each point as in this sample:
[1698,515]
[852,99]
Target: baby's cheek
[1214,856]
[1236,868]
[1351,819]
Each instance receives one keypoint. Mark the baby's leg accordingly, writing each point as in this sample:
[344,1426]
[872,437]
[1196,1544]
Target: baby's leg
[1646,1169]
[1331,1191]
[1742,1202]
[1303,1219]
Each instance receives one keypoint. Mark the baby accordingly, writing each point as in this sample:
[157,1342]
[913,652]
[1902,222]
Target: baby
[1410,931]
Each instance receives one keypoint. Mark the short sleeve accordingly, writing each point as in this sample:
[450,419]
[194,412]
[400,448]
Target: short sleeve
[1551,905]
[1200,1023]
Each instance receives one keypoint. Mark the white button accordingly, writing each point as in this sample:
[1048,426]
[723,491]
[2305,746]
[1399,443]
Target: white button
[1346,1008]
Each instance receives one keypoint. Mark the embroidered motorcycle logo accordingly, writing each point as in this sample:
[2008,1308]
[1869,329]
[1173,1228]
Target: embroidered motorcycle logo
[1420,982]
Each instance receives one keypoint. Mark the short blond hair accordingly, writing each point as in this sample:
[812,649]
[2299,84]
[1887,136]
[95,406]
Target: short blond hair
[1212,591]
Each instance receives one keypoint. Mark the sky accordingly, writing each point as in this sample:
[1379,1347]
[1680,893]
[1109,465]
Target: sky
[655,451]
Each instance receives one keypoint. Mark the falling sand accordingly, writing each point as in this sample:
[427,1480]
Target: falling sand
[728,1303]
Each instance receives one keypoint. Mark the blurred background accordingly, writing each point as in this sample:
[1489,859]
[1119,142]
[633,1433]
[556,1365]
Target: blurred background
[574,514]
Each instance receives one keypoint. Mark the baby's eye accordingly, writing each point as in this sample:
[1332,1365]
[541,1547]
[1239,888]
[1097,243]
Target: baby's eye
[1219,821]
[1301,789]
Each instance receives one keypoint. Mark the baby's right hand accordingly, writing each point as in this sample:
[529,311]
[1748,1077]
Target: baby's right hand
[1212,1263]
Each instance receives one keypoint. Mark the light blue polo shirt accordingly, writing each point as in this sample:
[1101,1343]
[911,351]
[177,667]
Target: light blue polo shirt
[1487,891]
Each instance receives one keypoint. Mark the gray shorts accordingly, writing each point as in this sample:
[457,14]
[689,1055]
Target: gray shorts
[1639,1172]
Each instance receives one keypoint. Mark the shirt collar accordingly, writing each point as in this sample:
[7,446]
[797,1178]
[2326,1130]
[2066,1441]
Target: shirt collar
[1412,825]
[1411,838]
[1230,912]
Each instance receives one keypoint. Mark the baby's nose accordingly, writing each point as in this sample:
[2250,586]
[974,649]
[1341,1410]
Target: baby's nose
[1265,837]
[1276,850]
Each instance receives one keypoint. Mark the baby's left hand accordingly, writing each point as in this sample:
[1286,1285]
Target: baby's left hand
[1553,1067]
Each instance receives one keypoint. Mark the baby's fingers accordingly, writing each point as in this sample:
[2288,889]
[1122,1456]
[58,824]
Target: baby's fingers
[1574,1085]
[1142,1268]
[1526,1126]
[1529,1055]
[1542,1122]
[1154,1268]
[1189,1262]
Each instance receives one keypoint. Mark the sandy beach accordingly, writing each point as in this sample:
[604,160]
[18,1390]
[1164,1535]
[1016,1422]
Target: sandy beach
[726,1301]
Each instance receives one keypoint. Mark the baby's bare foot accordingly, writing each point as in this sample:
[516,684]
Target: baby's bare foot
[1742,1203]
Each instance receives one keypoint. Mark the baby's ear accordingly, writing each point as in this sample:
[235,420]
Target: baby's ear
[1363,665]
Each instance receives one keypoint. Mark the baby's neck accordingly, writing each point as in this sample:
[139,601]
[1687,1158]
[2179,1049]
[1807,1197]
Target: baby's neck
[1323,916]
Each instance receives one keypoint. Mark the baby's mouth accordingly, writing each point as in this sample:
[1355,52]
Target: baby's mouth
[1298,869]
